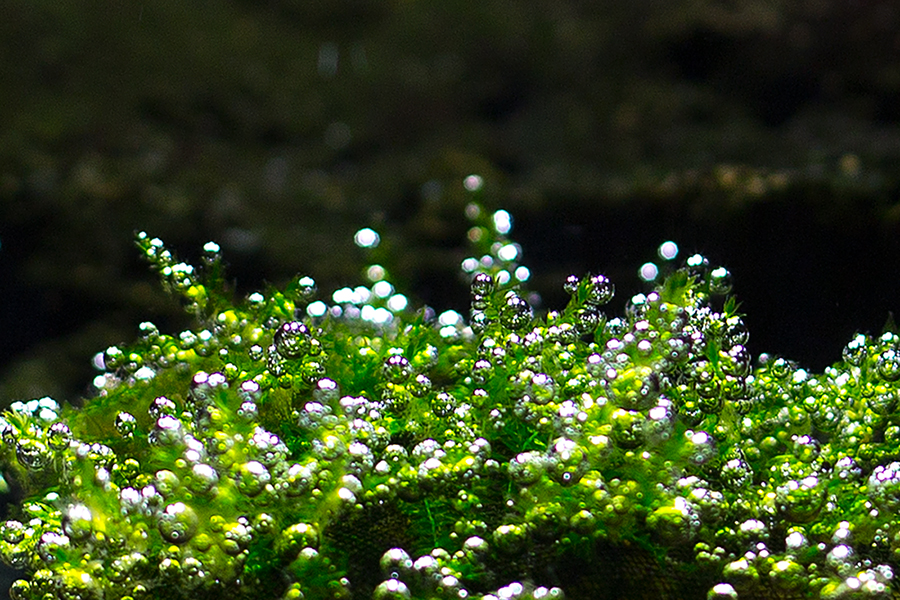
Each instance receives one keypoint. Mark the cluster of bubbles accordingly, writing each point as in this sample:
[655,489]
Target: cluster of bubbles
[281,451]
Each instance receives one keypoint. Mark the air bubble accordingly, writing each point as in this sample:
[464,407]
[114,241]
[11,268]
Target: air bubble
[252,478]
[599,290]
[396,563]
[366,238]
[884,486]
[32,454]
[397,369]
[482,285]
[59,436]
[516,313]
[292,339]
[526,468]
[178,523]
[719,281]
[295,538]
[168,431]
[855,351]
[392,589]
[888,365]
[77,521]
[566,461]
[722,591]
[668,250]
[161,406]
[203,478]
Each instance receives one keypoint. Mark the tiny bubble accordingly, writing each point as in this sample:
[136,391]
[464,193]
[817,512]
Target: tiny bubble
[366,238]
[648,271]
[473,183]
[668,250]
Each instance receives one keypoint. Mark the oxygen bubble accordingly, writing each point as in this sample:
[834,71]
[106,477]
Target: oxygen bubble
[420,386]
[392,589]
[249,390]
[482,285]
[668,250]
[801,500]
[634,389]
[599,290]
[366,238]
[888,365]
[203,478]
[252,478]
[167,482]
[125,424]
[32,454]
[178,523]
[648,272]
[855,351]
[396,563]
[295,538]
[542,389]
[742,574]
[627,428]
[526,468]
[722,591]
[326,391]
[77,521]
[12,532]
[161,406]
[51,545]
[516,313]
[719,281]
[566,461]
[675,524]
[292,339]
[59,436]
[248,412]
[168,431]
[502,222]
[884,486]
[397,369]
[701,447]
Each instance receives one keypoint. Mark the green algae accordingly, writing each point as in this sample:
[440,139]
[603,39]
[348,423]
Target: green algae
[289,447]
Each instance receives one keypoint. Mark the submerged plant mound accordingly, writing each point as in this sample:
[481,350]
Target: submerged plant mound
[291,448]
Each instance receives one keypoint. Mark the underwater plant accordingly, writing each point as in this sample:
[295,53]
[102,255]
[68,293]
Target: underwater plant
[292,448]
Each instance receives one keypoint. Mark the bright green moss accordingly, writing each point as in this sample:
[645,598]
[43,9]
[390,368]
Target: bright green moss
[285,448]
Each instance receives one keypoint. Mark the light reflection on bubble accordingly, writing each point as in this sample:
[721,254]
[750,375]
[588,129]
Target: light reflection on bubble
[523,273]
[648,271]
[450,317]
[469,264]
[316,309]
[342,296]
[668,250]
[366,238]
[502,222]
[375,273]
[383,289]
[397,302]
[379,316]
[473,183]
[508,252]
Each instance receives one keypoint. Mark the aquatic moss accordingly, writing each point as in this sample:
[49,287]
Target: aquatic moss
[291,448]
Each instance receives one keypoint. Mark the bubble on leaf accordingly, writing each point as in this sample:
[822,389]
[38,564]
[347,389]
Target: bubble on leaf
[292,339]
[178,523]
[252,478]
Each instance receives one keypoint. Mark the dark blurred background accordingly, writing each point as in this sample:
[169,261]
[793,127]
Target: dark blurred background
[761,133]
